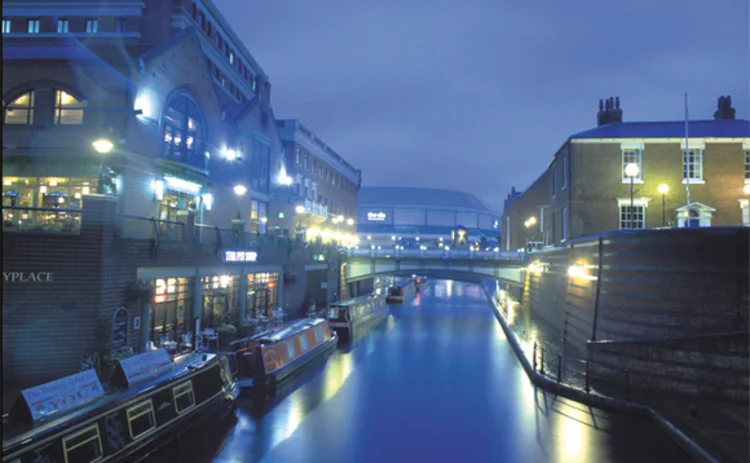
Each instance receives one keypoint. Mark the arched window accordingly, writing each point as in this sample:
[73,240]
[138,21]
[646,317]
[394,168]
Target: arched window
[183,132]
[42,104]
[21,110]
[68,110]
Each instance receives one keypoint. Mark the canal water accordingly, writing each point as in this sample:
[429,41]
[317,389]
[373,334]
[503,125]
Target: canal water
[437,382]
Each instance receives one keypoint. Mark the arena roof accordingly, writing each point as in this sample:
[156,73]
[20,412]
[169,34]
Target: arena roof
[422,197]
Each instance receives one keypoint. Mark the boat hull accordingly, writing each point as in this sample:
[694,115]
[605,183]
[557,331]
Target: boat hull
[349,331]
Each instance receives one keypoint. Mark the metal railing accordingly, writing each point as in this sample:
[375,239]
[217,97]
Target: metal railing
[137,227]
[389,252]
[579,373]
[42,220]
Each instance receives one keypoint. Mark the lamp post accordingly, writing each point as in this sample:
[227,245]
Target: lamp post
[631,170]
[663,189]
[240,191]
[103,147]
[528,224]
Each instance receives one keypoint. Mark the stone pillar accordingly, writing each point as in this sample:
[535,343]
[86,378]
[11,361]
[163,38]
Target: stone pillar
[98,215]
[243,294]
[187,218]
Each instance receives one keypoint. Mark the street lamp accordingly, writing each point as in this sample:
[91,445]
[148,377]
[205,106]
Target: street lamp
[663,189]
[631,170]
[746,189]
[103,147]
[350,222]
[240,191]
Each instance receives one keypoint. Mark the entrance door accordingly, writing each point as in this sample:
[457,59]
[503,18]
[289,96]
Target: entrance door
[214,308]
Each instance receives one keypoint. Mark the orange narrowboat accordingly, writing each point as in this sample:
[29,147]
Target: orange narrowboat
[265,361]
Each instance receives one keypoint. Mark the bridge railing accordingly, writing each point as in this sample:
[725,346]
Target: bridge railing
[394,253]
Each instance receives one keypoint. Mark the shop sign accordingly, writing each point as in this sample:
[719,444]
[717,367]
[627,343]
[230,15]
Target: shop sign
[142,366]
[376,216]
[28,277]
[120,328]
[240,256]
[62,393]
[182,185]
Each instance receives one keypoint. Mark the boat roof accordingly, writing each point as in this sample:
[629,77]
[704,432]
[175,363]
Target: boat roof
[16,431]
[288,330]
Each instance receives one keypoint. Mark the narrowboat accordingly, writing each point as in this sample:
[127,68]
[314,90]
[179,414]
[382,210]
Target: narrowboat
[263,362]
[354,317]
[420,284]
[151,400]
[401,292]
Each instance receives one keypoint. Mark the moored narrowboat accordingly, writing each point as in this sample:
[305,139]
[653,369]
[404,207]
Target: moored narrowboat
[263,362]
[353,317]
[401,291]
[150,400]
[420,284]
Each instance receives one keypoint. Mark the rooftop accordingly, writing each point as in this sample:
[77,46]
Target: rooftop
[412,196]
[717,128]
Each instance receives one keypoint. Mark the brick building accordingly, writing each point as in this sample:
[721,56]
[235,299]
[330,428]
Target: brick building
[585,188]
[126,128]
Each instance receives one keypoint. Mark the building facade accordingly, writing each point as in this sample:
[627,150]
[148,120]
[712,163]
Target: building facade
[324,186]
[389,214]
[586,189]
[141,176]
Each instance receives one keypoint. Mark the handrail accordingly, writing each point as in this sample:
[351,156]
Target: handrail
[43,209]
[140,217]
[675,338]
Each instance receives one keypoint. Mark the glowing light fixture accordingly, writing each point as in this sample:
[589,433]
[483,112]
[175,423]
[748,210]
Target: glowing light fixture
[229,154]
[300,209]
[240,190]
[264,219]
[350,222]
[208,201]
[157,186]
[746,189]
[632,170]
[664,189]
[576,271]
[103,146]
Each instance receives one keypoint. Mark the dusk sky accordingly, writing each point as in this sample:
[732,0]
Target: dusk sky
[478,95]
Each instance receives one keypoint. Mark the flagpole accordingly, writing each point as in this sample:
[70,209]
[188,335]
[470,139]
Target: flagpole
[687,167]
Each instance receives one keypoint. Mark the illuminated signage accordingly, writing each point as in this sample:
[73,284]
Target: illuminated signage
[62,393]
[146,365]
[376,216]
[240,256]
[28,277]
[182,185]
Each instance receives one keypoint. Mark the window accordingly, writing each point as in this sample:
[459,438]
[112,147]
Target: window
[141,419]
[183,132]
[631,218]
[6,26]
[184,397]
[92,26]
[63,26]
[319,335]
[307,161]
[121,25]
[290,352]
[564,223]
[554,181]
[747,165]
[303,343]
[83,446]
[68,110]
[745,206]
[315,167]
[231,57]
[33,26]
[632,156]
[563,171]
[693,165]
[21,110]
[299,156]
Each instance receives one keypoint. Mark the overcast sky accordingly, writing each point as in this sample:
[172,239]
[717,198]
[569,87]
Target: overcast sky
[478,95]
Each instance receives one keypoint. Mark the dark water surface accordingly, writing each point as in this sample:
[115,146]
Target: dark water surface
[436,382]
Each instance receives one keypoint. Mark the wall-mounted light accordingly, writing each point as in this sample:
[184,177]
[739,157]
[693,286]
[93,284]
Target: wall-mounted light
[230,154]
[157,186]
[264,220]
[281,215]
[144,105]
[350,222]
[576,270]
[299,209]
[283,178]
[208,201]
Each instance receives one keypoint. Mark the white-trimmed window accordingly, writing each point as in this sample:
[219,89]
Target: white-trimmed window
[632,217]
[692,162]
[141,419]
[745,206]
[92,26]
[6,26]
[632,156]
[63,26]
[33,26]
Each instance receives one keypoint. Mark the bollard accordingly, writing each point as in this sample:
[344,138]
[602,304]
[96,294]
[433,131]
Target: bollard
[541,361]
[588,387]
[533,355]
[559,365]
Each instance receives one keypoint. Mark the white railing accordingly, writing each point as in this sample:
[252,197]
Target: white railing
[435,254]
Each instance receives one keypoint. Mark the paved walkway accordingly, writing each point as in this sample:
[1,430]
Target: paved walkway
[720,428]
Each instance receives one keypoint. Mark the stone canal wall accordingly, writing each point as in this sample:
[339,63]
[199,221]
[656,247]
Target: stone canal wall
[669,305]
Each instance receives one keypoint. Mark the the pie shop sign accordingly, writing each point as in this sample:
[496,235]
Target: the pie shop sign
[28,277]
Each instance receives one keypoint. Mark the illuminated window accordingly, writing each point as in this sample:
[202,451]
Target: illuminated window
[63,26]
[21,110]
[141,419]
[183,132]
[92,26]
[692,166]
[184,397]
[84,446]
[231,57]
[6,26]
[33,26]
[68,110]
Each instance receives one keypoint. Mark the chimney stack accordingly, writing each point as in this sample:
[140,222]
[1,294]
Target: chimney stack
[725,109]
[609,111]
